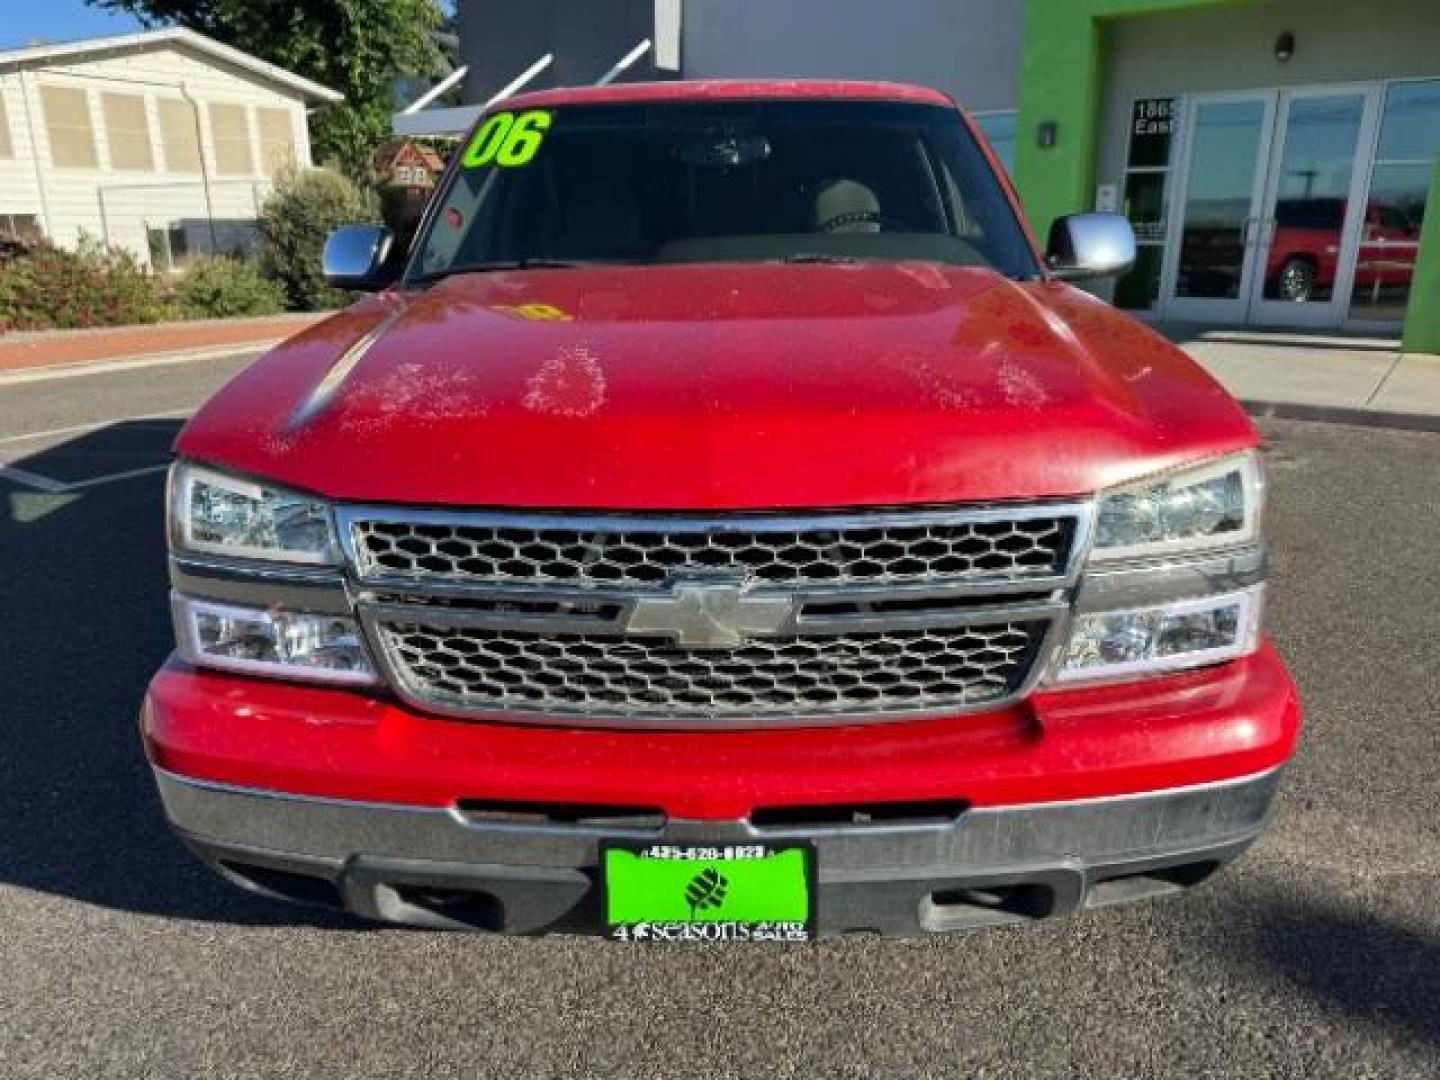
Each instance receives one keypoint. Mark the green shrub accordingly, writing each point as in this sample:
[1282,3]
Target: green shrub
[294,223]
[50,288]
[221,287]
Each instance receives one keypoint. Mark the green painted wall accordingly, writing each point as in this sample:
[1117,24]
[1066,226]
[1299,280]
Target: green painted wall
[1061,73]
[1422,318]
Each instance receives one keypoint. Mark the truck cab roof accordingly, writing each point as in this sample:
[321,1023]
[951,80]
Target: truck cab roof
[728,90]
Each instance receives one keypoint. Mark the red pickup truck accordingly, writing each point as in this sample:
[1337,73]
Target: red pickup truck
[722,522]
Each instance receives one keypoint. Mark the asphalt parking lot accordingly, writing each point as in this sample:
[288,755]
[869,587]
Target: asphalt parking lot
[1317,956]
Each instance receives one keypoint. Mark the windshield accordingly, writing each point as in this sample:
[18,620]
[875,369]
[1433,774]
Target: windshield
[709,182]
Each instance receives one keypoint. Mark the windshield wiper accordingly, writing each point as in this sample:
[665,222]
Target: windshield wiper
[500,264]
[819,257]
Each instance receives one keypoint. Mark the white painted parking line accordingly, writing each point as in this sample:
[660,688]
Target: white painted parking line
[107,367]
[76,429]
[52,486]
[32,480]
[110,478]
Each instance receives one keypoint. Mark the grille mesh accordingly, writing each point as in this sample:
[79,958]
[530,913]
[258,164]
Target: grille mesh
[475,668]
[509,554]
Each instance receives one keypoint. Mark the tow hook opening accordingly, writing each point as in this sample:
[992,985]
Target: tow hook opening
[466,907]
[986,905]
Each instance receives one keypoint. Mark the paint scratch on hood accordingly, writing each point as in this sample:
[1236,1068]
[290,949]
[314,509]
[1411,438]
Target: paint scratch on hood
[414,392]
[1018,386]
[950,384]
[570,383]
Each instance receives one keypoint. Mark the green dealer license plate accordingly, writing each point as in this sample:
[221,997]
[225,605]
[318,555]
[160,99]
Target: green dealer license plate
[708,892]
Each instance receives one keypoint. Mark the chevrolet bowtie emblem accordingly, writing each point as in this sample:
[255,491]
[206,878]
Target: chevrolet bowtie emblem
[709,615]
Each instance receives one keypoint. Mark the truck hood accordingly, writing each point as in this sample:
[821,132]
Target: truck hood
[718,387]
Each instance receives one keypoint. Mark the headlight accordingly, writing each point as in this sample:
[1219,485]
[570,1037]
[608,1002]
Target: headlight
[326,648]
[1167,637]
[225,515]
[1214,505]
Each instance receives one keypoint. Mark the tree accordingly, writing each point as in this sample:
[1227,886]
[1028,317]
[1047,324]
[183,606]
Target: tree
[294,222]
[358,47]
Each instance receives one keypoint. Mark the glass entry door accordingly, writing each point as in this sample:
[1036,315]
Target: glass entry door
[1269,220]
[1309,224]
[1211,271]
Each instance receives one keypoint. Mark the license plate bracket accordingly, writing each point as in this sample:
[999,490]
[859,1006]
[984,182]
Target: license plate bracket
[722,891]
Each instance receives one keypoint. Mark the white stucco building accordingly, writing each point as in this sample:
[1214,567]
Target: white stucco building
[163,143]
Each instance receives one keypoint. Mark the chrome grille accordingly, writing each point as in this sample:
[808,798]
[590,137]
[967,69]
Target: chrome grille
[687,620]
[596,675]
[628,552]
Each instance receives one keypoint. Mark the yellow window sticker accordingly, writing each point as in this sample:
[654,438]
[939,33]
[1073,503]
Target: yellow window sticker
[508,139]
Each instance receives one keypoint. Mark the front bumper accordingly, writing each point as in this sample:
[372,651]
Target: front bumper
[1070,798]
[429,866]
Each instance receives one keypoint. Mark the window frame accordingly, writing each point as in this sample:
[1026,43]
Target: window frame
[1160,237]
[109,98]
[1373,166]
[244,139]
[268,168]
[47,89]
[8,226]
[7,137]
[191,135]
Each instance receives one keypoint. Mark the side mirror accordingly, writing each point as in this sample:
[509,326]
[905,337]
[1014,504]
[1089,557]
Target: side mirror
[1090,246]
[356,257]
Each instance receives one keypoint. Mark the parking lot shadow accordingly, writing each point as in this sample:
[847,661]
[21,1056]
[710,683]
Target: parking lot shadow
[1346,953]
[85,624]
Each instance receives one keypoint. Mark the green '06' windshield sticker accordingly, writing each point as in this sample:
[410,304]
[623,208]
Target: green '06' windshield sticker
[508,139]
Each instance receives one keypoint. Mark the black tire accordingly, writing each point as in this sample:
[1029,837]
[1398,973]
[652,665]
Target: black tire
[1296,280]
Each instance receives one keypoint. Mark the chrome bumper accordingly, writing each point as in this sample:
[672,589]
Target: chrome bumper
[434,867]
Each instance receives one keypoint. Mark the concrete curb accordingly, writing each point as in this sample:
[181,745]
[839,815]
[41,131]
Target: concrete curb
[1339,414]
[29,351]
[20,376]
[299,318]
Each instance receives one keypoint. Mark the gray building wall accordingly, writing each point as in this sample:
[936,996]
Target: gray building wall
[1233,48]
[967,48]
[501,38]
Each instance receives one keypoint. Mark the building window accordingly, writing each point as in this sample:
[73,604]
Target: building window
[127,131]
[7,148]
[1395,209]
[19,227]
[230,132]
[999,130]
[169,247]
[1146,198]
[178,136]
[67,123]
[159,250]
[277,140]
